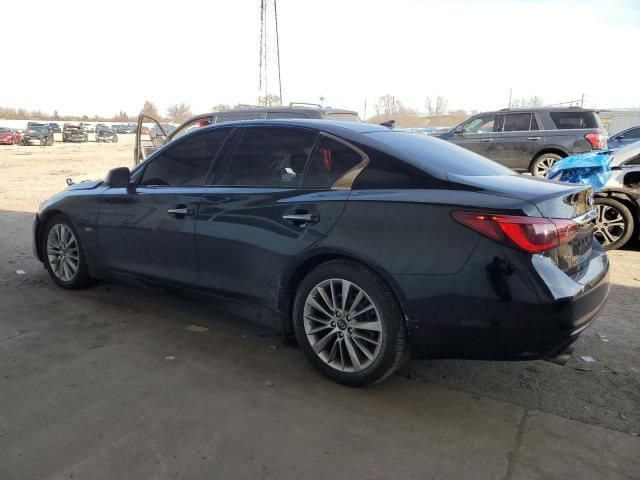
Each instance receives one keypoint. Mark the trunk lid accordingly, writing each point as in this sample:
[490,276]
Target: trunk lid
[554,200]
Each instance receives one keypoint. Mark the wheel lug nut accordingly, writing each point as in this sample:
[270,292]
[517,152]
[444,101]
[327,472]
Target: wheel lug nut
[333,324]
[340,334]
[350,330]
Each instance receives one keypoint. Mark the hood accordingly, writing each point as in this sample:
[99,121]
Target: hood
[623,155]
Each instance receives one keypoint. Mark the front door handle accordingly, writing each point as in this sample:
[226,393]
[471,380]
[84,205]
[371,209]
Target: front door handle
[180,211]
[487,140]
[533,138]
[300,218]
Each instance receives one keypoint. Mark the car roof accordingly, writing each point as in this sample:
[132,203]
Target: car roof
[336,127]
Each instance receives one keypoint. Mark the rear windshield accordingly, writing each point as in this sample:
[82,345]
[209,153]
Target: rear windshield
[569,120]
[38,129]
[4,130]
[435,155]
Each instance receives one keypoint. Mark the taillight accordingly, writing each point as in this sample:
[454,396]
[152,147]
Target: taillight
[597,140]
[530,234]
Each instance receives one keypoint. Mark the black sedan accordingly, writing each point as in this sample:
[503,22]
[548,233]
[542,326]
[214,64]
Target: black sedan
[366,244]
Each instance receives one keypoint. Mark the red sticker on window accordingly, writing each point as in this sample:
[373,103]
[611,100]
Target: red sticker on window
[326,158]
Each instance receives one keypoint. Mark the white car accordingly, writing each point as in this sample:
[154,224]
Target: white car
[618,202]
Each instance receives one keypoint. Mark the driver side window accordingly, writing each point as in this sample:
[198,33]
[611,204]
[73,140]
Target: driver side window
[187,162]
[483,124]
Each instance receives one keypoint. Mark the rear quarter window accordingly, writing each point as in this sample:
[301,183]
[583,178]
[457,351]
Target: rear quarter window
[570,120]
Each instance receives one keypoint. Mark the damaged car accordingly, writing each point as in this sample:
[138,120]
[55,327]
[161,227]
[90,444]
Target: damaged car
[72,132]
[365,244]
[37,134]
[106,134]
[618,202]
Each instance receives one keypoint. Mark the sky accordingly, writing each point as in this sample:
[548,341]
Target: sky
[101,57]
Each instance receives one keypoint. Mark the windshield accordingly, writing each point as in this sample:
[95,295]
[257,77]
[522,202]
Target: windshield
[4,130]
[37,130]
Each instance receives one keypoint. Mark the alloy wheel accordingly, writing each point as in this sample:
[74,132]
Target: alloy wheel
[610,224]
[63,252]
[543,166]
[343,325]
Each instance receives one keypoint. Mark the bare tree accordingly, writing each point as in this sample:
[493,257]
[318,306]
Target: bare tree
[435,107]
[221,107]
[150,109]
[269,101]
[387,105]
[179,113]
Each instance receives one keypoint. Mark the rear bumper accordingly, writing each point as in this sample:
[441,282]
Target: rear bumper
[522,312]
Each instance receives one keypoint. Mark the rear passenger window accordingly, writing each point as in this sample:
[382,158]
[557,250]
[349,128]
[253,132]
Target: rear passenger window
[518,122]
[270,157]
[331,164]
[187,162]
[569,120]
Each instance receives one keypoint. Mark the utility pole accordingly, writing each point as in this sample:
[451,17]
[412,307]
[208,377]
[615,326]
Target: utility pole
[510,92]
[268,13]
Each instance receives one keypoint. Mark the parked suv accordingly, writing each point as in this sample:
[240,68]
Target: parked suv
[530,139]
[294,110]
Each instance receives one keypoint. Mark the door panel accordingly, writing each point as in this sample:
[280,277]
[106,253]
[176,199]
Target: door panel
[244,244]
[138,235]
[519,140]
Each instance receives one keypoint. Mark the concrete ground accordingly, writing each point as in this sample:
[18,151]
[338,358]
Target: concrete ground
[112,382]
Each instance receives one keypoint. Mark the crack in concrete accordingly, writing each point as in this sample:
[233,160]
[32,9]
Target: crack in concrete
[512,456]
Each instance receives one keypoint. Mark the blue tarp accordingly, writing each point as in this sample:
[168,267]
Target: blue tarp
[591,168]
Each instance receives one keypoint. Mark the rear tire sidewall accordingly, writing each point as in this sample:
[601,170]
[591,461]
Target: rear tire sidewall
[393,350]
[539,159]
[626,215]
[82,278]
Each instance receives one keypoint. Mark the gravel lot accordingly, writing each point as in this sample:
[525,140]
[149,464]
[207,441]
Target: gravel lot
[603,393]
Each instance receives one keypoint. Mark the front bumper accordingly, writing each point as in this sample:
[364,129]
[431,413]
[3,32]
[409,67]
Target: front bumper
[35,232]
[529,310]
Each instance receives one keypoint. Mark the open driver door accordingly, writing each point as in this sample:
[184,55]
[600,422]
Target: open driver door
[148,138]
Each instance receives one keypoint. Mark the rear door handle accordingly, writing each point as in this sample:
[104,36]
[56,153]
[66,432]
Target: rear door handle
[533,138]
[299,218]
[486,140]
[180,211]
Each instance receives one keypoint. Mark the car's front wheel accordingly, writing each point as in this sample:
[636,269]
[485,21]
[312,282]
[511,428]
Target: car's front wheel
[349,324]
[541,165]
[63,254]
[614,223]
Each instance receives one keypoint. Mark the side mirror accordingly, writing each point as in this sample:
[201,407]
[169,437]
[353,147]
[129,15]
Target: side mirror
[619,137]
[458,131]
[118,177]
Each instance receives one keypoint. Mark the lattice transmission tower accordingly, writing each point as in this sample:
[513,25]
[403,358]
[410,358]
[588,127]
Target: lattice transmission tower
[269,50]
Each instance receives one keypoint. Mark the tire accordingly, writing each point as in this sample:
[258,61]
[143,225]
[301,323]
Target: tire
[614,224]
[59,227]
[385,338]
[540,166]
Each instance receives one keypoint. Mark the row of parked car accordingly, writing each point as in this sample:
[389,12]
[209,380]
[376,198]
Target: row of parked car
[39,133]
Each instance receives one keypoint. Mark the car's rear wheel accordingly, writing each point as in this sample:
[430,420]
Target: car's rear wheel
[63,255]
[614,223]
[541,165]
[349,324]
